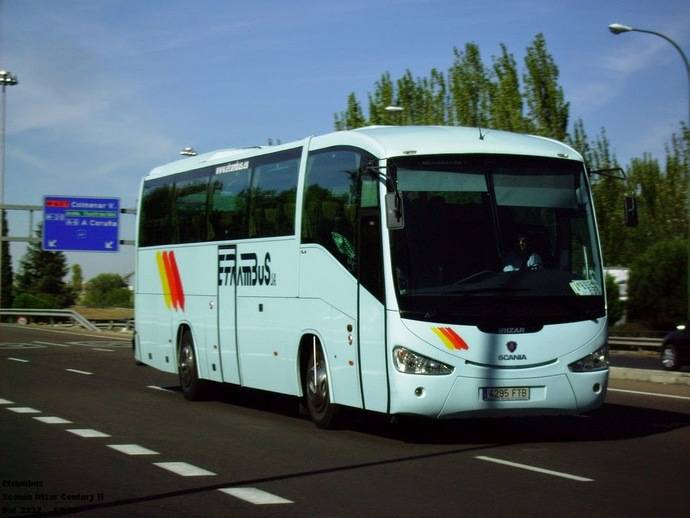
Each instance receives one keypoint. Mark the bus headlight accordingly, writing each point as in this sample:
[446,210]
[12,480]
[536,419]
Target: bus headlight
[409,362]
[596,361]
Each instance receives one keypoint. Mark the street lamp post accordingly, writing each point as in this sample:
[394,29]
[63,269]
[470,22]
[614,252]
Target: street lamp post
[617,28]
[6,79]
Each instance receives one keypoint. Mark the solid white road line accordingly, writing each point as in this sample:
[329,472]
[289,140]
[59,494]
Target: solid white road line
[50,343]
[52,420]
[132,449]
[24,410]
[254,495]
[648,393]
[87,433]
[534,468]
[183,469]
[18,360]
[79,372]
[6,402]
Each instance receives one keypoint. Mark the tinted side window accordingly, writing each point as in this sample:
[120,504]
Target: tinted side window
[274,191]
[155,223]
[330,202]
[229,199]
[190,217]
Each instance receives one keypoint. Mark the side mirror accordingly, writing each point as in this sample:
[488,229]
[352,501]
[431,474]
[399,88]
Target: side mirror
[630,211]
[395,215]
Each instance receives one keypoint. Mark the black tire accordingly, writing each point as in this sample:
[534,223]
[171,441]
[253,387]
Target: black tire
[669,357]
[316,392]
[193,388]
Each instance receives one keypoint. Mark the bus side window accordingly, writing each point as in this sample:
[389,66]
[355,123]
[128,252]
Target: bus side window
[330,203]
[155,224]
[228,211]
[274,190]
[190,208]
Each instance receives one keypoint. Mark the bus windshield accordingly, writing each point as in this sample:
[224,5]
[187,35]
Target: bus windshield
[496,240]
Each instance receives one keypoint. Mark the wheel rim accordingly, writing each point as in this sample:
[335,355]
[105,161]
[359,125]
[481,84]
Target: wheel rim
[317,384]
[668,358]
[186,365]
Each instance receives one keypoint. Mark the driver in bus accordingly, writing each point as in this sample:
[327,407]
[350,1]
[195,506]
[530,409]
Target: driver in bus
[521,258]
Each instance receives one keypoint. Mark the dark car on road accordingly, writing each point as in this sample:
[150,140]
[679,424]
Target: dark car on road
[675,349]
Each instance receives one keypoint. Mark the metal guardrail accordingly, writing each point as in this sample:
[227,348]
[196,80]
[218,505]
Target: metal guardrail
[636,342]
[63,313]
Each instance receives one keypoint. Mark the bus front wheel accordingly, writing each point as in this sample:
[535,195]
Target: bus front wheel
[316,393]
[192,387]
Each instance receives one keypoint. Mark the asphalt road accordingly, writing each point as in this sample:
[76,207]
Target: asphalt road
[85,430]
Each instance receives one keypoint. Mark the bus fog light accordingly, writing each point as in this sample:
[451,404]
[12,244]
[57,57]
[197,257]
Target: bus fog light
[596,361]
[419,391]
[596,388]
[410,362]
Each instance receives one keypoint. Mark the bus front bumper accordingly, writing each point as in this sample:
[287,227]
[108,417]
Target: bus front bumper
[561,394]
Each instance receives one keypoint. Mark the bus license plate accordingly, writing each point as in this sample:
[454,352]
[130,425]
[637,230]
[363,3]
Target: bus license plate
[505,393]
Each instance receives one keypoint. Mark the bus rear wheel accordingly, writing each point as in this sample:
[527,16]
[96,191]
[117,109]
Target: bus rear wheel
[193,388]
[316,392]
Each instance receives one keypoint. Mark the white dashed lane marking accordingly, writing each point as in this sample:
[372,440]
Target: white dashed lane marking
[184,470]
[76,371]
[104,350]
[18,360]
[24,410]
[87,433]
[132,449]
[52,420]
[535,469]
[254,496]
[251,495]
[654,394]
[50,343]
[154,387]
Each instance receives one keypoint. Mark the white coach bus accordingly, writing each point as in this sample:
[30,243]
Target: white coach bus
[435,271]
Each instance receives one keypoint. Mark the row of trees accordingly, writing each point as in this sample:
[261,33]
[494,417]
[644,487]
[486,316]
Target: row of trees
[40,284]
[530,100]
[471,93]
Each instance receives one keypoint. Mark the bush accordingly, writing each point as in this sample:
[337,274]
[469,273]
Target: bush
[107,290]
[39,301]
[658,285]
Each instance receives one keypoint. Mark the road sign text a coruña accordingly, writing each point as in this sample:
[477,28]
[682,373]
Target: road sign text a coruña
[81,224]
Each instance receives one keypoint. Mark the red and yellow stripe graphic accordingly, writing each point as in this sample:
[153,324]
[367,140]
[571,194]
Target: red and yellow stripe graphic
[450,338]
[173,292]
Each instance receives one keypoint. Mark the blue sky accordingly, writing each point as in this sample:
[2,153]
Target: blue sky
[109,89]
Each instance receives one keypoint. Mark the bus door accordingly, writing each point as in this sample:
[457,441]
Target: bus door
[371,310]
[227,312]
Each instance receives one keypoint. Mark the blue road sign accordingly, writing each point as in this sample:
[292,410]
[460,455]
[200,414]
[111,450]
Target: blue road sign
[81,224]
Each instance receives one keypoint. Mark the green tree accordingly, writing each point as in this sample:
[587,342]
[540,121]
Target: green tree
[470,88]
[383,96]
[658,287]
[7,292]
[547,109]
[506,99]
[616,307]
[41,274]
[107,290]
[580,142]
[353,117]
[76,284]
